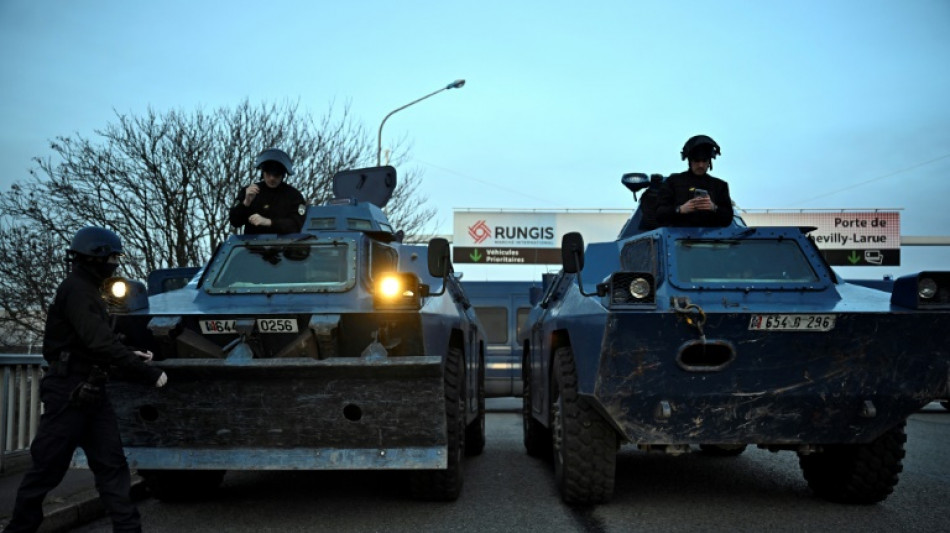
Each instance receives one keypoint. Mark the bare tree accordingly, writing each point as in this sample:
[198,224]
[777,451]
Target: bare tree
[33,265]
[165,182]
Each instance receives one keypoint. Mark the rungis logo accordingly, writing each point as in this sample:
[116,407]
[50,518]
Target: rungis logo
[479,231]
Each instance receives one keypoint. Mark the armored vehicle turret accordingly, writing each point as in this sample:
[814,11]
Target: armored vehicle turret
[339,347]
[686,338]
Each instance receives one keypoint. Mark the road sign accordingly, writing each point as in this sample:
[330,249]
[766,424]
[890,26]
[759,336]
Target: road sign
[506,256]
[856,257]
[528,237]
[845,238]
[499,237]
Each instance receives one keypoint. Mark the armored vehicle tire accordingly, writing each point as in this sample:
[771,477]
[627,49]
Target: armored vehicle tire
[446,485]
[475,431]
[585,446]
[181,485]
[722,450]
[537,438]
[857,473]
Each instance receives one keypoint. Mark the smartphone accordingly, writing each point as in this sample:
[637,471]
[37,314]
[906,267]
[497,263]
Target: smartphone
[698,193]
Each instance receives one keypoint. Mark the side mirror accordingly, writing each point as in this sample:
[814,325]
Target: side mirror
[572,258]
[439,262]
[572,252]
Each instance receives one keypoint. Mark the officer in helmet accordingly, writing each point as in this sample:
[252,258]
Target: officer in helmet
[694,198]
[270,205]
[82,351]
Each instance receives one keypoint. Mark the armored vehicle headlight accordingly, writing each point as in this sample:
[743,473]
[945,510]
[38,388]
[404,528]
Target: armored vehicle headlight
[114,290]
[640,288]
[390,286]
[397,290]
[631,288]
[122,295]
[119,289]
[926,288]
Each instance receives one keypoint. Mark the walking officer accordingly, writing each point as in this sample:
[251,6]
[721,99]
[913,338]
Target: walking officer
[82,350]
[270,205]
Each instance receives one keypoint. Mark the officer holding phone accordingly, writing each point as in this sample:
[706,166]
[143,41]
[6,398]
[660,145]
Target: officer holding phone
[695,198]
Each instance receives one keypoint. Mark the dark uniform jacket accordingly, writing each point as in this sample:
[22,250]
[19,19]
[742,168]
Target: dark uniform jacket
[678,189]
[283,204]
[78,323]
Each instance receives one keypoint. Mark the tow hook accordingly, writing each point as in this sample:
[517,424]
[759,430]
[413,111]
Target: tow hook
[694,314]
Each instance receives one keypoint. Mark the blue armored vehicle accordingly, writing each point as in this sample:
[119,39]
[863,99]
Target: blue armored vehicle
[678,338]
[338,347]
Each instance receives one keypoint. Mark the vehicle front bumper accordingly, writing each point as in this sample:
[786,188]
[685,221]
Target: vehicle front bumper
[847,385]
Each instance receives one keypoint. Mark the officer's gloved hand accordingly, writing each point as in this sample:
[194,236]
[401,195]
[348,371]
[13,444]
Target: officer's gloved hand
[162,380]
[146,355]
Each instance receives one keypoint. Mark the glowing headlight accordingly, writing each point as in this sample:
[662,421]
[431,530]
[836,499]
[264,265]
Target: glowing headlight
[394,286]
[398,290]
[123,295]
[926,288]
[639,288]
[118,289]
[389,286]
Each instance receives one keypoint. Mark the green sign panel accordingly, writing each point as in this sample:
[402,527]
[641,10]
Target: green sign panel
[506,256]
[859,257]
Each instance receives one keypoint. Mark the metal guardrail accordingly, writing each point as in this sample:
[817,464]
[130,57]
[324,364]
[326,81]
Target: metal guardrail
[20,405]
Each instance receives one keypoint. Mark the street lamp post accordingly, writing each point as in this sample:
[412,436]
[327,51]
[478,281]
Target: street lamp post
[457,84]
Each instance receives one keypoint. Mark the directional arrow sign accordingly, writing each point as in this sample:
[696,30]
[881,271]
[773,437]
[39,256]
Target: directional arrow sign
[862,258]
[506,256]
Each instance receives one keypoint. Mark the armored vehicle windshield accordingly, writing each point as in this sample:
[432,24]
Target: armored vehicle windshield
[732,261]
[312,267]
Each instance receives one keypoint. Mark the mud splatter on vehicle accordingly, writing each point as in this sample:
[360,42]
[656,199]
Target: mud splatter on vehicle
[673,339]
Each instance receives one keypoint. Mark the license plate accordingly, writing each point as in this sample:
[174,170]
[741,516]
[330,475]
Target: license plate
[264,325]
[792,322]
[277,325]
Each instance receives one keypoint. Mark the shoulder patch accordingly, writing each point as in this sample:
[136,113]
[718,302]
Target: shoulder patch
[301,209]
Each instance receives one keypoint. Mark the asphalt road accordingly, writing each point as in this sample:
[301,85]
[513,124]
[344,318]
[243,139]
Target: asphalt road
[505,490]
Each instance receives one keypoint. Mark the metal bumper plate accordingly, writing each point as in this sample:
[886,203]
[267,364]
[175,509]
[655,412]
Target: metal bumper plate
[281,459]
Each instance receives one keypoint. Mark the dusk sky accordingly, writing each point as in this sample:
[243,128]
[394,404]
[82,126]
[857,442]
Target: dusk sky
[816,104]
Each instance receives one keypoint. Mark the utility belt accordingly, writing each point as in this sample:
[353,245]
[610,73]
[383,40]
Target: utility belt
[91,391]
[67,363]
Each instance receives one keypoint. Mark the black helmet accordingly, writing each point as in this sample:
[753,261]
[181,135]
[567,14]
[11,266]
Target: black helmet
[700,146]
[277,156]
[95,242]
